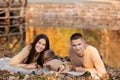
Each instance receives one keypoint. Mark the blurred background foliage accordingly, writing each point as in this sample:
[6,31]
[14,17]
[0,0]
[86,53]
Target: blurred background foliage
[105,40]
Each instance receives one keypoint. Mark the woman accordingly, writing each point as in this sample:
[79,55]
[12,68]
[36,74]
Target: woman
[31,56]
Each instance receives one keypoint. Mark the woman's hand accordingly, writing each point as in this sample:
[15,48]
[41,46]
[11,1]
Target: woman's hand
[31,66]
[27,66]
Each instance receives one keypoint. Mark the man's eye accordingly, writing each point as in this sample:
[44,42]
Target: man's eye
[73,45]
[79,44]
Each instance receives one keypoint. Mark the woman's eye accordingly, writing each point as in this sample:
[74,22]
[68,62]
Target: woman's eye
[43,44]
[39,42]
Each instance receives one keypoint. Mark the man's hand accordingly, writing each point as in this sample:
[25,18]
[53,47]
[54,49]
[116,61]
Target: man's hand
[79,69]
[61,68]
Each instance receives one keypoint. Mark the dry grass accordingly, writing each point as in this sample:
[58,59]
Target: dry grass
[114,73]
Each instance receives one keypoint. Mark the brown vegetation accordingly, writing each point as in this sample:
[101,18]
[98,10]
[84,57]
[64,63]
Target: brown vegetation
[113,72]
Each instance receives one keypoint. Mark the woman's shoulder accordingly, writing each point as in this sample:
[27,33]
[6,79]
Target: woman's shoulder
[27,47]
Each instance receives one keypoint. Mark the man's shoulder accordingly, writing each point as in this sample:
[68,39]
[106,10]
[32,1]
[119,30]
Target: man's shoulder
[91,48]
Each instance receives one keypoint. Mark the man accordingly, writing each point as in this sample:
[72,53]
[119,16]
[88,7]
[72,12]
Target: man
[84,57]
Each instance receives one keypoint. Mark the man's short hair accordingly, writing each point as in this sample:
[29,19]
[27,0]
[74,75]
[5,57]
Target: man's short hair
[76,36]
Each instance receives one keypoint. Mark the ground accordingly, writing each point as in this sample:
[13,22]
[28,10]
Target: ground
[113,72]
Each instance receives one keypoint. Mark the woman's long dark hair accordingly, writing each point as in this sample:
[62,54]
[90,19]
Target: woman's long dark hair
[33,51]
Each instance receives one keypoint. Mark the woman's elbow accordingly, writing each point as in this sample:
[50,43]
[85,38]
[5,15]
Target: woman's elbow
[12,63]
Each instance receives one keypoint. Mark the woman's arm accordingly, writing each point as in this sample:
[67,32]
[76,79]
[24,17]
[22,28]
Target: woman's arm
[20,57]
[27,66]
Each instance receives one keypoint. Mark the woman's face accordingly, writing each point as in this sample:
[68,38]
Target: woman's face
[40,45]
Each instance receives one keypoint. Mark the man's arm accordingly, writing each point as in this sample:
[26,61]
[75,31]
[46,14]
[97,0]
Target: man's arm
[91,70]
[97,62]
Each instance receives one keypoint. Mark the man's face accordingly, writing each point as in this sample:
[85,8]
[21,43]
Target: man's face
[78,46]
